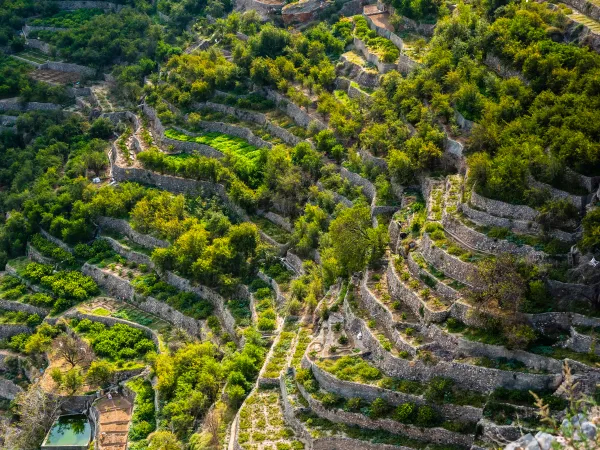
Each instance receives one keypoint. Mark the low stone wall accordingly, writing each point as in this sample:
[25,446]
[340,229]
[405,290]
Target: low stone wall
[464,347]
[42,46]
[169,314]
[131,255]
[465,124]
[451,266]
[8,389]
[364,77]
[337,198]
[398,290]
[383,317]
[295,262]
[252,116]
[478,378]
[384,32]
[434,435]
[279,297]
[110,321]
[36,256]
[587,7]
[281,221]
[367,392]
[116,286]
[406,64]
[580,201]
[24,307]
[121,226]
[107,6]
[232,130]
[443,290]
[373,58]
[582,343]
[516,226]
[13,104]
[191,147]
[502,209]
[8,330]
[368,188]
[301,117]
[206,293]
[480,242]
[70,68]
[55,240]
[494,63]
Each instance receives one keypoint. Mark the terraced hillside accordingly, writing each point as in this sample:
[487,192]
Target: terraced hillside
[375,230]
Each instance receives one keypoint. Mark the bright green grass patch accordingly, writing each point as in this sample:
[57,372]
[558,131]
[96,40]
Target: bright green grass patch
[245,158]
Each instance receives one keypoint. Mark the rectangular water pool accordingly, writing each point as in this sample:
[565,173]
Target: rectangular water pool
[71,432]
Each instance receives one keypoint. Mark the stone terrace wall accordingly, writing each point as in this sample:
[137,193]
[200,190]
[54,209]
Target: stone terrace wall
[443,290]
[450,265]
[467,376]
[252,116]
[110,321]
[398,290]
[206,293]
[68,5]
[9,330]
[502,209]
[587,7]
[191,147]
[373,58]
[233,130]
[479,241]
[580,201]
[24,307]
[169,314]
[462,346]
[279,297]
[122,226]
[301,117]
[137,257]
[465,124]
[42,46]
[36,256]
[55,240]
[383,316]
[383,32]
[349,389]
[436,435]
[70,68]
[368,188]
[13,104]
[494,63]
[116,286]
[8,389]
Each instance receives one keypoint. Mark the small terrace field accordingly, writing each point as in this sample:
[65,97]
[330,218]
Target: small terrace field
[67,19]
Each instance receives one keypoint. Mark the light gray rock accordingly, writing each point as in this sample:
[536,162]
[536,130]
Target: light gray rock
[589,430]
[544,440]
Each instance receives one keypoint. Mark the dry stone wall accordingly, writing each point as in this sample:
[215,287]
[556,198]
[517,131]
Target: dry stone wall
[502,209]
[69,5]
[13,104]
[8,389]
[398,290]
[480,242]
[367,392]
[580,201]
[435,435]
[206,293]
[373,58]
[42,46]
[368,188]
[301,117]
[451,266]
[467,376]
[169,314]
[55,240]
[137,257]
[24,307]
[443,290]
[363,76]
[587,7]
[121,226]
[465,124]
[70,68]
[9,330]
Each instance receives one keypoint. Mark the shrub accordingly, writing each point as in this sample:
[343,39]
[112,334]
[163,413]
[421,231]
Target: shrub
[426,416]
[405,413]
[379,408]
